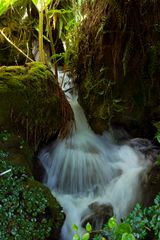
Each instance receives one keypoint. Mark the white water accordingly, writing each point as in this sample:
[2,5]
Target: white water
[86,168]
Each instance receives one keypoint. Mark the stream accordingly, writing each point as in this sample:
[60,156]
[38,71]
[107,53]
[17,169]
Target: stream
[92,177]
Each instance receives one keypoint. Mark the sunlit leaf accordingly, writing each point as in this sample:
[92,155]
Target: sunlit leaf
[59,11]
[88,227]
[37,3]
[40,4]
[76,237]
[47,2]
[4,5]
[86,236]
[123,228]
[75,227]
[112,223]
[128,236]
[60,27]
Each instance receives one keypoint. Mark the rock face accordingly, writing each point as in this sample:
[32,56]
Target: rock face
[32,103]
[118,65]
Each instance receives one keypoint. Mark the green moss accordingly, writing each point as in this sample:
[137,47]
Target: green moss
[30,100]
[118,70]
[17,149]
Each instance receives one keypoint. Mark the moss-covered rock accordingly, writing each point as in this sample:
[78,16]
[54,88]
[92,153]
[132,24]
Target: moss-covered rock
[32,103]
[18,151]
[118,65]
[27,209]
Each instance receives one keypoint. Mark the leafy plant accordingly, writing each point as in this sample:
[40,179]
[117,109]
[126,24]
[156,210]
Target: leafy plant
[85,236]
[157,135]
[41,5]
[138,225]
[115,231]
[146,220]
[4,5]
[23,211]
[112,230]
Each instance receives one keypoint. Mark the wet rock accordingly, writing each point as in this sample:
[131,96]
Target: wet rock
[97,215]
[32,104]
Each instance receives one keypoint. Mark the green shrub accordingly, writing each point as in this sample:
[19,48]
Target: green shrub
[24,210]
[147,220]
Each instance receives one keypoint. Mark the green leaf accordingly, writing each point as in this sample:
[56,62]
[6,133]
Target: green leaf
[37,3]
[88,227]
[112,223]
[5,4]
[60,27]
[47,2]
[75,227]
[86,236]
[59,11]
[128,236]
[76,237]
[157,136]
[41,4]
[123,228]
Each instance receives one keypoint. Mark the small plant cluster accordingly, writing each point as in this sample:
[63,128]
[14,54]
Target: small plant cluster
[139,224]
[24,212]
[112,230]
[147,220]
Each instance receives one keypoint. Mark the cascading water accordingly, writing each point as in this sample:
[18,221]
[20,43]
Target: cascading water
[89,174]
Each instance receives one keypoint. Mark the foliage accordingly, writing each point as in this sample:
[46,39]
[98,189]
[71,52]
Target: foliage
[55,23]
[24,212]
[139,224]
[157,135]
[111,230]
[4,5]
[115,231]
[121,37]
[144,221]
[85,236]
[41,4]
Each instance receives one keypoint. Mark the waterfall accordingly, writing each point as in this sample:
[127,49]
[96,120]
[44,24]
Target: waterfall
[89,174]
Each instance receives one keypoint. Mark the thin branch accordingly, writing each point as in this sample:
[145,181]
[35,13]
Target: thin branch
[3,34]
[51,42]
[41,49]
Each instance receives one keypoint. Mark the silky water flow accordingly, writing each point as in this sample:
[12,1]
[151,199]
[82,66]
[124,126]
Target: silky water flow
[91,177]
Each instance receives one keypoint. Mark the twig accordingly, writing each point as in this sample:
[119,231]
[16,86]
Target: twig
[51,42]
[3,173]
[3,34]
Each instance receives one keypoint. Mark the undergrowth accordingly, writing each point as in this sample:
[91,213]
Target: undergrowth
[24,211]
[140,224]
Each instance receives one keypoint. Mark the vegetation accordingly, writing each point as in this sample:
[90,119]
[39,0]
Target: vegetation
[113,46]
[118,64]
[52,24]
[23,211]
[141,224]
[27,208]
[32,99]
